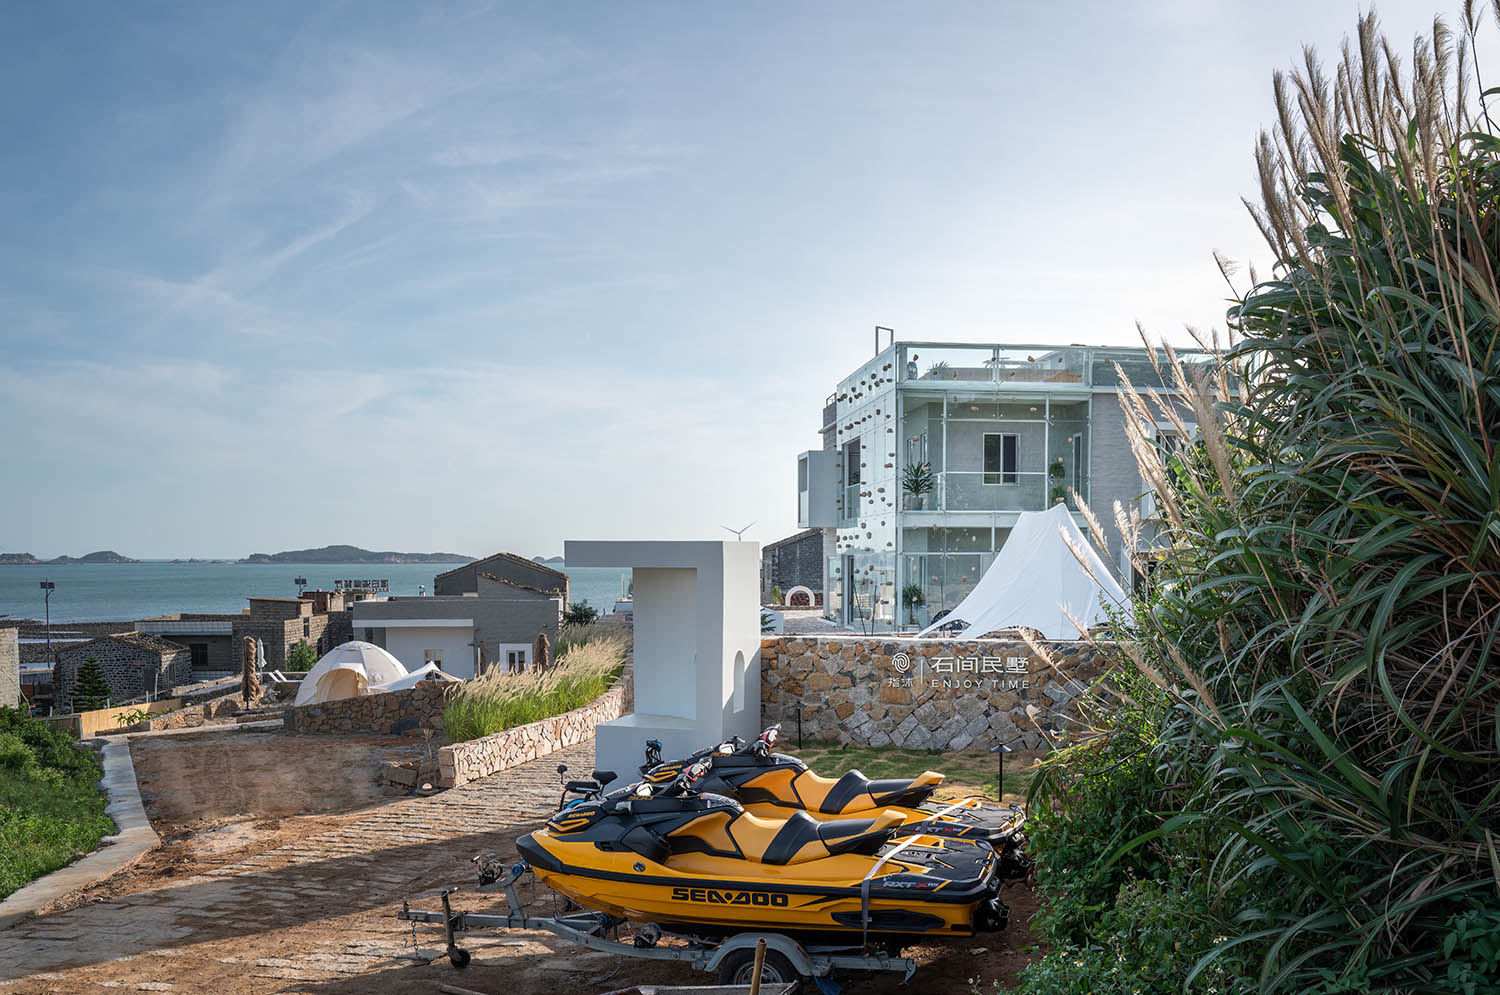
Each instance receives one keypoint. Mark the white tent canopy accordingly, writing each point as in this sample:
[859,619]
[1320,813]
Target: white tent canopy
[1038,582]
[347,671]
[426,672]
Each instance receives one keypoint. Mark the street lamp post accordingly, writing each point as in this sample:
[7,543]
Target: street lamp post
[47,586]
[1000,752]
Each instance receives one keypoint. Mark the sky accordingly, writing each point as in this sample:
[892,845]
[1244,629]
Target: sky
[469,276]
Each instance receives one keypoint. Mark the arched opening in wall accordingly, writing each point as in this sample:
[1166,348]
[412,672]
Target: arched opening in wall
[799,597]
[737,700]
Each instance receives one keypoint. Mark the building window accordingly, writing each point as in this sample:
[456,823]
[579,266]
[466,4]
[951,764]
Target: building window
[515,660]
[369,635]
[433,656]
[1001,458]
[306,628]
[851,480]
[200,655]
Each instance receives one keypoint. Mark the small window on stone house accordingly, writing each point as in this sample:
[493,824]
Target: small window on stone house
[306,628]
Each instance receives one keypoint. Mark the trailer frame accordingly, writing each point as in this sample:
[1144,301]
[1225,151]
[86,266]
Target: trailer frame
[590,929]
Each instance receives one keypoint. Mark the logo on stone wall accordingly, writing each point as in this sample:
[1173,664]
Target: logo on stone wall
[962,673]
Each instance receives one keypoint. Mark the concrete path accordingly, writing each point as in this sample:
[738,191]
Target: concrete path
[394,852]
[133,837]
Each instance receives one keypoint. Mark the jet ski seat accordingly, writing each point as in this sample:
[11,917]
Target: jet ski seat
[794,840]
[801,837]
[851,793]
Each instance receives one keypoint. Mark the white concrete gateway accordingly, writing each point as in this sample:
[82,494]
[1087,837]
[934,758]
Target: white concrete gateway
[697,646]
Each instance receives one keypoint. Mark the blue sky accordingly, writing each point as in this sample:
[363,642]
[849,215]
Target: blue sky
[475,276]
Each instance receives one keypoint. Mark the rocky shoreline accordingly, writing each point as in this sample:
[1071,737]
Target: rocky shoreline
[76,632]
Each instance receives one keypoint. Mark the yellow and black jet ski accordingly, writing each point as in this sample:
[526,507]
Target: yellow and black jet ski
[771,784]
[699,864]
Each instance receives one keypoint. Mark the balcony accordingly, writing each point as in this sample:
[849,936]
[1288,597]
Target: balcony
[973,490]
[942,364]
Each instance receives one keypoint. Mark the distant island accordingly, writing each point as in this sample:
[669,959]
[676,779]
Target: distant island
[353,554]
[101,556]
[546,559]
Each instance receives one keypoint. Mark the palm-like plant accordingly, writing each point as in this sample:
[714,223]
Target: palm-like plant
[1328,635]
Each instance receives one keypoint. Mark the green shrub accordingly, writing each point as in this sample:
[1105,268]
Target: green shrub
[580,613]
[1323,780]
[300,657]
[498,701]
[51,809]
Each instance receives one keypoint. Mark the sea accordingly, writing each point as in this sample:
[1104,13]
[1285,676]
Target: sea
[109,592]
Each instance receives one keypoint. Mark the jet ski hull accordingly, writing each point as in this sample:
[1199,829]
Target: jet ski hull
[926,886]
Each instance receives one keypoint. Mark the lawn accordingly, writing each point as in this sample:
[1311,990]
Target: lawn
[51,809]
[967,772]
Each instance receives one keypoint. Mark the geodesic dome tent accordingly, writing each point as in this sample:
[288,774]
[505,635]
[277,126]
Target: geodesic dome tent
[347,671]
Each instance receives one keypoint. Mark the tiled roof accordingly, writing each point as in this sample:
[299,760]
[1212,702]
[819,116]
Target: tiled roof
[519,586]
[145,641]
[513,558]
[798,537]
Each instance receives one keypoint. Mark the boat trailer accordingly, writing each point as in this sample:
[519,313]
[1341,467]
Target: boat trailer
[595,930]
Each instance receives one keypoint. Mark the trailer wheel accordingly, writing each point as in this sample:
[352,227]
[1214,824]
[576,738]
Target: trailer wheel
[459,957]
[738,968]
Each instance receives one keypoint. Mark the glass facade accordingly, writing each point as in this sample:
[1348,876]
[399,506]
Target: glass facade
[940,447]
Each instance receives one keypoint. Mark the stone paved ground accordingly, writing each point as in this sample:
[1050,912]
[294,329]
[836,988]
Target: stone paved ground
[226,930]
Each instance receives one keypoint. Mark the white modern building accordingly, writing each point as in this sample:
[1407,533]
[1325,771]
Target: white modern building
[931,450]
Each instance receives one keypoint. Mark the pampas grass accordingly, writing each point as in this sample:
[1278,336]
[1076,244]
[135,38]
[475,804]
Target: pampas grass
[498,701]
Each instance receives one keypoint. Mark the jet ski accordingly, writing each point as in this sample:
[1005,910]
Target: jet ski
[698,864]
[771,784]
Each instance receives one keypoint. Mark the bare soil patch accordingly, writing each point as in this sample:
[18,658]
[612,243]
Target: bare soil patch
[211,777]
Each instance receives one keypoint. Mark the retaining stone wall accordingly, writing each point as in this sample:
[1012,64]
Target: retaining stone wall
[922,694]
[419,707]
[10,668]
[476,758]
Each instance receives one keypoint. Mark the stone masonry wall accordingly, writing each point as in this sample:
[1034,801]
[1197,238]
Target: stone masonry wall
[133,672]
[922,694]
[10,668]
[420,707]
[476,758]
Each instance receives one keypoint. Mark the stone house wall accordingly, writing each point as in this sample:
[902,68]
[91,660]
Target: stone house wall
[10,668]
[419,707]
[922,694]
[134,666]
[297,622]
[793,562]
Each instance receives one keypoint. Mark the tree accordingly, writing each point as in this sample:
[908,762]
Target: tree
[301,657]
[92,690]
[581,613]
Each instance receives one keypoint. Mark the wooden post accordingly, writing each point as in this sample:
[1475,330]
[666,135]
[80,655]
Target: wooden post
[249,674]
[760,963]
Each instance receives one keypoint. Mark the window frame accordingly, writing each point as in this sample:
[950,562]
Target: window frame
[1002,477]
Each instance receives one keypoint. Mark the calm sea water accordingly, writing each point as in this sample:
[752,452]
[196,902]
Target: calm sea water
[107,592]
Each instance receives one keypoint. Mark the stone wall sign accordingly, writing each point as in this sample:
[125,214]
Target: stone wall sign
[923,694]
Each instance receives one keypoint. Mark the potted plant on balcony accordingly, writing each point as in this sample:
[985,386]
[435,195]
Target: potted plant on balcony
[1056,471]
[913,598]
[917,479]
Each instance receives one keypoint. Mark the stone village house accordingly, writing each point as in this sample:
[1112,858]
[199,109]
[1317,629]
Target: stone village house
[137,667]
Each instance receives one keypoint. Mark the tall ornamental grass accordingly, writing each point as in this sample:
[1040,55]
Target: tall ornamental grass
[1322,705]
[498,701]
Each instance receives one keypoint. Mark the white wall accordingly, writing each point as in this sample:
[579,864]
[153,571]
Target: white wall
[407,643]
[666,641]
